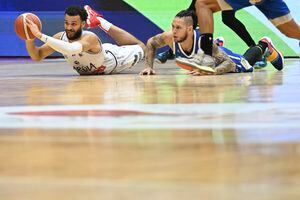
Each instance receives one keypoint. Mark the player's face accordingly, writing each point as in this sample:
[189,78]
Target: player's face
[73,26]
[180,30]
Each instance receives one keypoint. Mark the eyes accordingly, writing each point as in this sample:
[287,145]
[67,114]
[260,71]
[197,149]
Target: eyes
[70,23]
[176,27]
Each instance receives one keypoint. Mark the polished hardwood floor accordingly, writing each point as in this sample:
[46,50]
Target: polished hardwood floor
[170,136]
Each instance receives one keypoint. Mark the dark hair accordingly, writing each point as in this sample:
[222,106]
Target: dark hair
[76,10]
[188,13]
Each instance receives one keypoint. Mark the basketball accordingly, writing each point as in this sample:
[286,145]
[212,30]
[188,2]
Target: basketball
[22,30]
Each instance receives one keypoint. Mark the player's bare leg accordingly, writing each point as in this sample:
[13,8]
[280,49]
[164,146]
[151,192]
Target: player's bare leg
[290,29]
[204,11]
[120,36]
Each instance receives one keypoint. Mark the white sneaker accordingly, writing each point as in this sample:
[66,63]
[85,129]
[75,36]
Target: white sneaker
[200,63]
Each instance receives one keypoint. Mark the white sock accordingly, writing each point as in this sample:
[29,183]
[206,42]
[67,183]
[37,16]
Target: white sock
[105,25]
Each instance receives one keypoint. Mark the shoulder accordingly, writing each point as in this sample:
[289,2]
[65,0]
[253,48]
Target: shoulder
[90,36]
[167,36]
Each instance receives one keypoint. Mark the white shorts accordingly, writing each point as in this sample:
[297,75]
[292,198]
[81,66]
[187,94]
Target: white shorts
[119,58]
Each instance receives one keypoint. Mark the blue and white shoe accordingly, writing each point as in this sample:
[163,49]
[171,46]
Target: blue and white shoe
[276,58]
[162,57]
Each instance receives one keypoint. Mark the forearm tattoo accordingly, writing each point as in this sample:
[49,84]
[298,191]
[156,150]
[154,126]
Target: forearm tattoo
[153,44]
[223,62]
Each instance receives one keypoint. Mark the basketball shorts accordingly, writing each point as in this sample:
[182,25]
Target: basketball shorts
[275,10]
[120,58]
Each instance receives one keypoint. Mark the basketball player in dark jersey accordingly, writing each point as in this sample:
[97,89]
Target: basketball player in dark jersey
[276,11]
[186,45]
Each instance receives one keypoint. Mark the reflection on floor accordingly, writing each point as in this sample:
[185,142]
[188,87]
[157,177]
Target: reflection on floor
[168,136]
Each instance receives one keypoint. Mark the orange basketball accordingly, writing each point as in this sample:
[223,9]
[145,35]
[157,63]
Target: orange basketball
[22,30]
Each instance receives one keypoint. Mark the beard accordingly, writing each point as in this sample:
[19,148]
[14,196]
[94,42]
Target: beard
[182,39]
[75,36]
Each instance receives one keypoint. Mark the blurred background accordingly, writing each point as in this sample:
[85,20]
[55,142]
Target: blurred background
[142,18]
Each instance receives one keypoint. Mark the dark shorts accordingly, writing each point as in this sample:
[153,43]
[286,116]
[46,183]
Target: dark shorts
[270,8]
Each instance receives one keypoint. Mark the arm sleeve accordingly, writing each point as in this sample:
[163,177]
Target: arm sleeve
[62,46]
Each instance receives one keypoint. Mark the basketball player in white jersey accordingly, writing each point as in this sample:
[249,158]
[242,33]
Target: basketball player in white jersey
[83,50]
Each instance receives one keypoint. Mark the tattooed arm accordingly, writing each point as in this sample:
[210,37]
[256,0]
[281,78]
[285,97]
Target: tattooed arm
[223,62]
[153,44]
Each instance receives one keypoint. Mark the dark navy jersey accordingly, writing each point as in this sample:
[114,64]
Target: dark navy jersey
[178,51]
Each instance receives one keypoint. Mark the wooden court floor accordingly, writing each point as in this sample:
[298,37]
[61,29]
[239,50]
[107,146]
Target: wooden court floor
[168,137]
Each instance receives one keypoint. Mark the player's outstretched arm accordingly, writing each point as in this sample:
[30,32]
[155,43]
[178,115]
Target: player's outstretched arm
[39,53]
[63,47]
[153,44]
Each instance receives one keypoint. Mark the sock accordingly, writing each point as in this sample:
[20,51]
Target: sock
[206,43]
[104,24]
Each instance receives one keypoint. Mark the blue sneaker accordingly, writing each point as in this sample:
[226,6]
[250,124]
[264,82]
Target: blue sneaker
[276,58]
[162,57]
[263,62]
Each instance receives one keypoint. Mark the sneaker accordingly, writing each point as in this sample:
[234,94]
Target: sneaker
[263,62]
[162,57]
[201,63]
[219,41]
[276,58]
[92,20]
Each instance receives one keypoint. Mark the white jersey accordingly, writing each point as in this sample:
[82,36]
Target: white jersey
[111,59]
[85,63]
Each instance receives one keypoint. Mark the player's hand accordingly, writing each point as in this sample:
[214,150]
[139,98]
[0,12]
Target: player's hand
[33,28]
[193,73]
[199,73]
[148,71]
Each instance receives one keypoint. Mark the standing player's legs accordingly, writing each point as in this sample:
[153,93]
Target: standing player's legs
[290,29]
[279,14]
[265,47]
[229,19]
[204,11]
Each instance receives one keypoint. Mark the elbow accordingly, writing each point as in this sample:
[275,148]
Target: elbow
[37,59]
[150,44]
[143,46]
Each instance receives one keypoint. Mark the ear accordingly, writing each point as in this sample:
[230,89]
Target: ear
[190,28]
[83,24]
